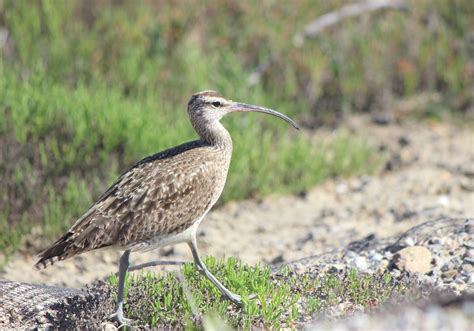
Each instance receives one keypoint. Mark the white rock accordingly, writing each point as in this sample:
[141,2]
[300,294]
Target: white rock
[409,241]
[376,257]
[342,188]
[443,200]
[361,263]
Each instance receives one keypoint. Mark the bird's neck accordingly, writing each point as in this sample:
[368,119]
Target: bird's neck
[215,134]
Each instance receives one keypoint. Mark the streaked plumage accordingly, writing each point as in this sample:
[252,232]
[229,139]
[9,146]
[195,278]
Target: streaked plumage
[162,198]
[161,195]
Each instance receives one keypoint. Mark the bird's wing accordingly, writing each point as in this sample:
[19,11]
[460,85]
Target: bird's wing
[159,197]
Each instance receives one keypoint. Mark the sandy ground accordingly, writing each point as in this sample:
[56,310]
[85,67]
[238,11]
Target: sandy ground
[429,174]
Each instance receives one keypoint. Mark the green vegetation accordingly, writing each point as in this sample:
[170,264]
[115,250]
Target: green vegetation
[282,299]
[89,87]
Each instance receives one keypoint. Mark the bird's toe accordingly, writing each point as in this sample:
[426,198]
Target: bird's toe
[252,296]
[120,319]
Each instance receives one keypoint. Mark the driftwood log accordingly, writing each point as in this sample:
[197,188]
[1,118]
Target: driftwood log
[38,306]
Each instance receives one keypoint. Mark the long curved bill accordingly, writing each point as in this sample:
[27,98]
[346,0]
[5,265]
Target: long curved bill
[243,107]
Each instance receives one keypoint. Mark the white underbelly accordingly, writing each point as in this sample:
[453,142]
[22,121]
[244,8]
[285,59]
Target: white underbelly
[169,239]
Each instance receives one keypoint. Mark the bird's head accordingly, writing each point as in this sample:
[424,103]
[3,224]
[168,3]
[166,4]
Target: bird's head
[210,107]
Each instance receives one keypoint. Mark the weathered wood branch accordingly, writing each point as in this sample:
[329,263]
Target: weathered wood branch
[314,28]
[317,26]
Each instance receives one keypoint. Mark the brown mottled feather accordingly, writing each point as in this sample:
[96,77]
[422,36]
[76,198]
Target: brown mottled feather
[163,194]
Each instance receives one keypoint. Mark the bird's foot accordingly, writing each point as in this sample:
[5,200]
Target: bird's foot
[237,299]
[120,319]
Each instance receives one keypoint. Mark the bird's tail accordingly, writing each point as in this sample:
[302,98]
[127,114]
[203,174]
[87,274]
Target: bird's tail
[60,250]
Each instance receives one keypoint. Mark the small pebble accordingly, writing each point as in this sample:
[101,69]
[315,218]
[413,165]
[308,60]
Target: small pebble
[382,267]
[434,241]
[467,267]
[361,263]
[446,267]
[469,253]
[277,259]
[443,200]
[467,184]
[357,185]
[459,280]
[470,280]
[463,236]
[382,118]
[449,242]
[458,287]
[469,260]
[450,274]
[351,254]
[108,326]
[337,267]
[376,257]
[469,244]
[342,188]
[403,141]
[469,227]
[409,241]
[299,268]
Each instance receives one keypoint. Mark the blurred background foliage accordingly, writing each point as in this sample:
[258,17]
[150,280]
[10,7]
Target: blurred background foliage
[87,87]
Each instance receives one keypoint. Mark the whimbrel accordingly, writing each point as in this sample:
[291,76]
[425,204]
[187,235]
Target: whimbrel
[162,199]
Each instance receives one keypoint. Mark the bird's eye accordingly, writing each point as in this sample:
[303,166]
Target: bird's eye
[216,104]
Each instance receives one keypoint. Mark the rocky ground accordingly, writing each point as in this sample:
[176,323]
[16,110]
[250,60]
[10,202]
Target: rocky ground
[433,261]
[428,175]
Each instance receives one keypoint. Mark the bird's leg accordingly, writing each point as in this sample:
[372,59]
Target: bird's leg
[201,267]
[123,267]
[154,264]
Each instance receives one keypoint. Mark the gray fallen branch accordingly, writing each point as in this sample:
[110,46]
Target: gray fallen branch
[315,27]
